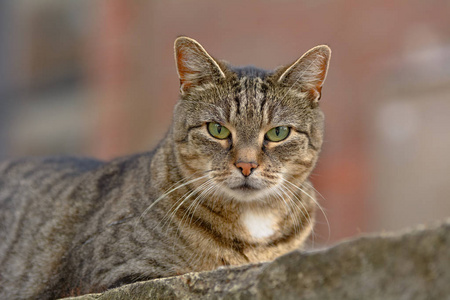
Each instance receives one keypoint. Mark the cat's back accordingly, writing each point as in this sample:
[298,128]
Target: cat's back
[34,201]
[23,179]
[35,168]
[50,206]
[30,187]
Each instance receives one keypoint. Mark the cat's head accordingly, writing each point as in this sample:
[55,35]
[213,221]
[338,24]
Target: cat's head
[249,133]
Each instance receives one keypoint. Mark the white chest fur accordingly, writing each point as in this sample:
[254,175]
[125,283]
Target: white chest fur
[259,225]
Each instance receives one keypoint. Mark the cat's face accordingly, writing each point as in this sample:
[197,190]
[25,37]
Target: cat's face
[248,133]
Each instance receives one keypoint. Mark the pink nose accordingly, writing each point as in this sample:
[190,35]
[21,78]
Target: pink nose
[246,167]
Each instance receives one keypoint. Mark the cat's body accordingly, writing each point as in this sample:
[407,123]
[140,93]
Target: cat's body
[198,201]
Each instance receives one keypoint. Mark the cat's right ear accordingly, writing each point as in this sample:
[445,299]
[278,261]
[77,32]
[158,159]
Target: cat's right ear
[194,65]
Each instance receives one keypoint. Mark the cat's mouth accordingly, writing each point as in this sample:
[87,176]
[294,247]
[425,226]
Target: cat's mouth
[246,190]
[245,187]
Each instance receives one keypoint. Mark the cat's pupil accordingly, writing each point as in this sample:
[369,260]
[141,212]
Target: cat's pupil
[277,131]
[219,128]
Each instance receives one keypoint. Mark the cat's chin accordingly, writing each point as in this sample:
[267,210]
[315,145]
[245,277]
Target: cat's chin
[245,187]
[246,193]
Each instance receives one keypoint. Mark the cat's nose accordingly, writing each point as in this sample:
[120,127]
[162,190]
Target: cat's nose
[246,167]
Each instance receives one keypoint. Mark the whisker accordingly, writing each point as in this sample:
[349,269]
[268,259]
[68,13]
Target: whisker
[196,201]
[171,212]
[303,211]
[203,195]
[315,190]
[211,190]
[279,197]
[185,199]
[167,193]
[314,200]
[171,187]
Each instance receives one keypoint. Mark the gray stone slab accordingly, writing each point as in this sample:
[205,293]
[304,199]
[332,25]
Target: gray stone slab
[412,264]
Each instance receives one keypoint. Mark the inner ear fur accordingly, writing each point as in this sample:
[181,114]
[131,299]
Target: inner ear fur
[194,65]
[308,73]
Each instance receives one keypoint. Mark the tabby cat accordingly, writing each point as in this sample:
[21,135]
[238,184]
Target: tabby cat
[226,186]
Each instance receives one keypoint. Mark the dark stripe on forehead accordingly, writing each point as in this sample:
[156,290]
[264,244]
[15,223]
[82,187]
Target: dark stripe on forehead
[241,96]
[250,71]
[249,91]
[264,89]
[238,104]
[235,94]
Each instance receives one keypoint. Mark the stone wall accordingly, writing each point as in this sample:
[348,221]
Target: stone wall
[413,264]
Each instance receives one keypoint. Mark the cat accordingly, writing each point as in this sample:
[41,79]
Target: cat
[228,185]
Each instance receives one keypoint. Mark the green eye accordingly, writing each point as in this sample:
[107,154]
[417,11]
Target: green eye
[277,134]
[218,131]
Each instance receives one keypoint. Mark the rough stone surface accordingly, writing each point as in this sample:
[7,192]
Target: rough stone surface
[413,264]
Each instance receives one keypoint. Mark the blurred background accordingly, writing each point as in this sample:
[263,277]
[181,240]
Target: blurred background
[97,78]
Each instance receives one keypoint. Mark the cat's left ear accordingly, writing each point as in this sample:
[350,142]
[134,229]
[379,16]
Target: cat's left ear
[308,73]
[194,65]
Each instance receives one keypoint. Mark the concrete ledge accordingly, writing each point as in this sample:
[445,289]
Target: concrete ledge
[413,264]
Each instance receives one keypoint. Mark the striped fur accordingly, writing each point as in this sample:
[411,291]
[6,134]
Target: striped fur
[70,226]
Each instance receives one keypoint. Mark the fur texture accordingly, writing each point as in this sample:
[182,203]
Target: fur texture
[71,226]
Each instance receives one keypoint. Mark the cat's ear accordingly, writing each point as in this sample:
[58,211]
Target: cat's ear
[194,65]
[308,73]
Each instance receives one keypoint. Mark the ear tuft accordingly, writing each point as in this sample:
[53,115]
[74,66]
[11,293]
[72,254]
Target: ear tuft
[194,65]
[309,72]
